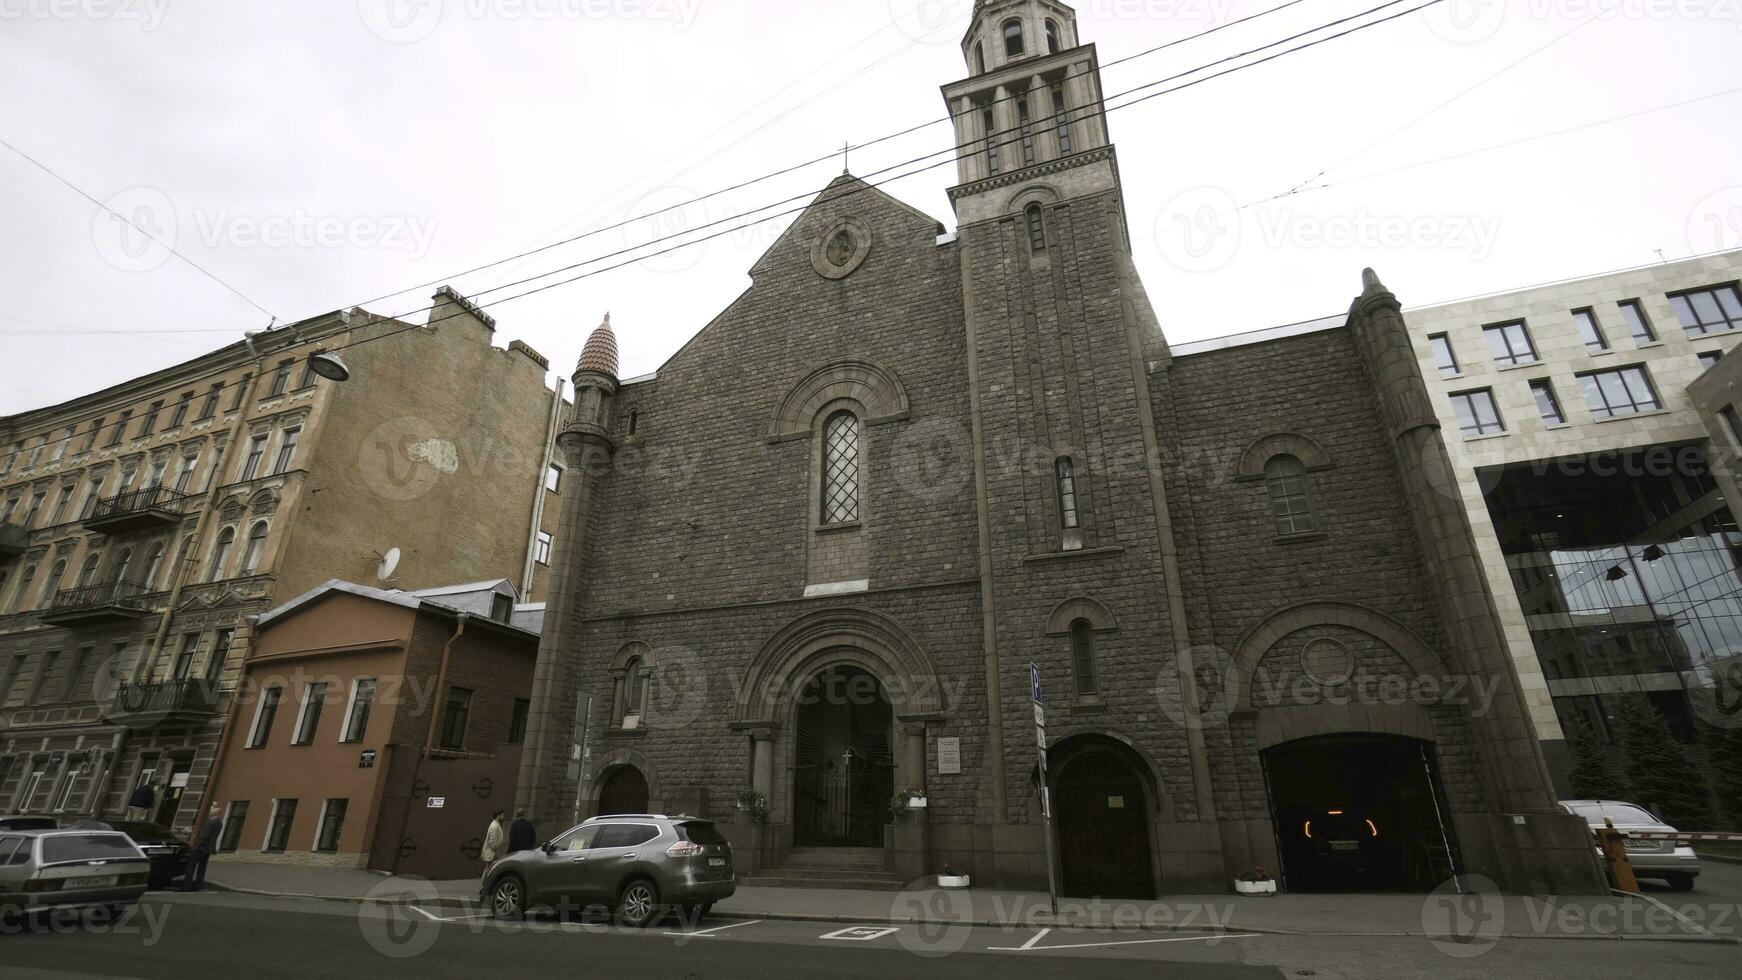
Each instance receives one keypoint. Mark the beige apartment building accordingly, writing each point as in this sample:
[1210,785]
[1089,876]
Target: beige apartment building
[142,525]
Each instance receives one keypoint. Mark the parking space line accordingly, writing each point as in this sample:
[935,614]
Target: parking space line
[450,918]
[860,934]
[709,933]
[1030,947]
[1035,938]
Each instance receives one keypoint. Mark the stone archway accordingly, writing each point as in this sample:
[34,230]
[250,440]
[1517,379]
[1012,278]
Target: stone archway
[623,790]
[843,770]
[1103,802]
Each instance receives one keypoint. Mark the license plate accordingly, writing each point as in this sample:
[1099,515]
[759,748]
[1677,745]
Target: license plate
[101,882]
[1345,845]
[716,862]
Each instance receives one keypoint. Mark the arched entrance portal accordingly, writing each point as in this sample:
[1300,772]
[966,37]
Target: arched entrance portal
[624,791]
[1359,812]
[843,764]
[1103,823]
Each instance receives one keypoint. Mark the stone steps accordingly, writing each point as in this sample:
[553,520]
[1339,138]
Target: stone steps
[828,867]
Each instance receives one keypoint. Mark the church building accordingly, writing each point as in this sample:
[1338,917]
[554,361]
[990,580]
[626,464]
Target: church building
[930,535]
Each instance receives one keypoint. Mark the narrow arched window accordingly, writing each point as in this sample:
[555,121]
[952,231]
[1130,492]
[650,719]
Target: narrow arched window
[1067,490]
[634,420]
[1052,37]
[252,551]
[125,558]
[221,554]
[1083,657]
[1290,496]
[88,572]
[23,594]
[979,58]
[1036,229]
[840,500]
[57,574]
[153,564]
[633,684]
[1013,38]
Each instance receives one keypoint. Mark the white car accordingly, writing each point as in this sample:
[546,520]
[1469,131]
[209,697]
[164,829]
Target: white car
[1668,860]
[41,870]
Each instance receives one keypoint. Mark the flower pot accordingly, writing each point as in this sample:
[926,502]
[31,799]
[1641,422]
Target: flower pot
[952,881]
[1265,887]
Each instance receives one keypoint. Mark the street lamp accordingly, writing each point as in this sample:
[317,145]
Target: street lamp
[329,366]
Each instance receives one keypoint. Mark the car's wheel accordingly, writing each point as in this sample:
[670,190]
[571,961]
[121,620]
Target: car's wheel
[638,904]
[1680,883]
[508,898]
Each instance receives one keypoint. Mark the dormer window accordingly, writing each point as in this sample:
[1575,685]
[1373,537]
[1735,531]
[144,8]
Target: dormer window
[1013,47]
[1052,37]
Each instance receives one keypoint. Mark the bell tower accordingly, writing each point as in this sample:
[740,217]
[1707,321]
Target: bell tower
[1030,106]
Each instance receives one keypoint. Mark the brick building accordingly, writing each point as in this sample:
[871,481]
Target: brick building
[378,729]
[812,558]
[141,525]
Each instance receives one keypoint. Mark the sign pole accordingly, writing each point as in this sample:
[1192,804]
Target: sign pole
[583,751]
[1052,888]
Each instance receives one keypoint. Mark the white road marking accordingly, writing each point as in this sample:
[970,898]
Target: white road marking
[1029,947]
[860,934]
[709,932]
[451,918]
[1035,938]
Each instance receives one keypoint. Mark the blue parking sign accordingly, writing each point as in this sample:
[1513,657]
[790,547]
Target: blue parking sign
[1034,679]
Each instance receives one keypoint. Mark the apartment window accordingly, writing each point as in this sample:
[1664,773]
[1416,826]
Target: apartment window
[56,575]
[1476,413]
[264,713]
[120,432]
[209,407]
[309,377]
[541,550]
[314,699]
[233,821]
[44,670]
[1290,495]
[36,451]
[281,378]
[11,678]
[517,721]
[154,477]
[221,554]
[29,785]
[35,508]
[1638,325]
[1510,343]
[60,448]
[60,505]
[1706,311]
[1013,46]
[278,833]
[11,507]
[93,493]
[69,688]
[1083,657]
[185,475]
[184,660]
[241,391]
[256,452]
[1732,421]
[148,424]
[357,715]
[1709,358]
[1590,331]
[88,572]
[1624,391]
[1061,118]
[63,790]
[1052,37]
[287,450]
[24,578]
[1025,128]
[180,415]
[153,564]
[840,503]
[501,608]
[1547,405]
[989,122]
[91,436]
[1036,229]
[252,551]
[553,477]
[1067,492]
[220,656]
[458,710]
[332,826]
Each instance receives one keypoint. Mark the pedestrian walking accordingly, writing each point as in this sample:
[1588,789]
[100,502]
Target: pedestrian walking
[140,803]
[193,879]
[522,835]
[493,841]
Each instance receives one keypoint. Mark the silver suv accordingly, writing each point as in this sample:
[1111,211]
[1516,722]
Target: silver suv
[638,865]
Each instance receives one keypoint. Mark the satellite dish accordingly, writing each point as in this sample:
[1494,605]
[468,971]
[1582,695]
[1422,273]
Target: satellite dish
[389,562]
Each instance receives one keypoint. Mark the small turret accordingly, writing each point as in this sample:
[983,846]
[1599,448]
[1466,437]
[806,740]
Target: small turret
[600,353]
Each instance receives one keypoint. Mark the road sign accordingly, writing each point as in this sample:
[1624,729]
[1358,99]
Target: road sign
[1052,890]
[436,802]
[1034,680]
[366,759]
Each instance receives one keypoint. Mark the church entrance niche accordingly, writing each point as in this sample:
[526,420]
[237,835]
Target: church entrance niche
[625,791]
[844,766]
[1103,825]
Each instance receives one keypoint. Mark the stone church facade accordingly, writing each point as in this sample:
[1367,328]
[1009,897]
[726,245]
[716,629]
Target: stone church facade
[810,561]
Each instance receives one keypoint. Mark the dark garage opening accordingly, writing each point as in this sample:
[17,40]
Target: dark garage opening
[1359,812]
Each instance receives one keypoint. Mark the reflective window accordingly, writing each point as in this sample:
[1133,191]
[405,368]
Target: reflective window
[1590,331]
[1624,391]
[1547,405]
[1707,311]
[1444,359]
[1638,325]
[1510,343]
[1476,413]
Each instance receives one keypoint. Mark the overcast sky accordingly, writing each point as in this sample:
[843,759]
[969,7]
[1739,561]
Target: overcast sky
[315,155]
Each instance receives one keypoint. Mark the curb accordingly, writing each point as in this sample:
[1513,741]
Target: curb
[1719,858]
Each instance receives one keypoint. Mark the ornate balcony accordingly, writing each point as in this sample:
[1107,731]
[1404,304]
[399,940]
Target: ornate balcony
[14,538]
[105,602]
[137,510]
[156,703]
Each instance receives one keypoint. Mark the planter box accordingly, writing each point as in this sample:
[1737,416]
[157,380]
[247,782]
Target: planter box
[1267,887]
[952,881]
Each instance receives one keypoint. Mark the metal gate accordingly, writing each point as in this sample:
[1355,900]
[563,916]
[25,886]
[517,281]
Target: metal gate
[844,772]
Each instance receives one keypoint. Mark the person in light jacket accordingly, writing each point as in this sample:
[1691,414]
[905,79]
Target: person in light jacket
[493,840]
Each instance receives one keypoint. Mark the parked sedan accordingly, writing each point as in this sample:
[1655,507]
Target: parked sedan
[23,821]
[638,865]
[168,852]
[42,870]
[1668,860]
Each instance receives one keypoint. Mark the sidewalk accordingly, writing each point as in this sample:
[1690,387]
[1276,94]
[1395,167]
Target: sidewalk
[1453,918]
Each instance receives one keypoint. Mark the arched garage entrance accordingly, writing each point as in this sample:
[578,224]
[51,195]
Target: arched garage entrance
[1359,812]
[1101,808]
[624,791]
